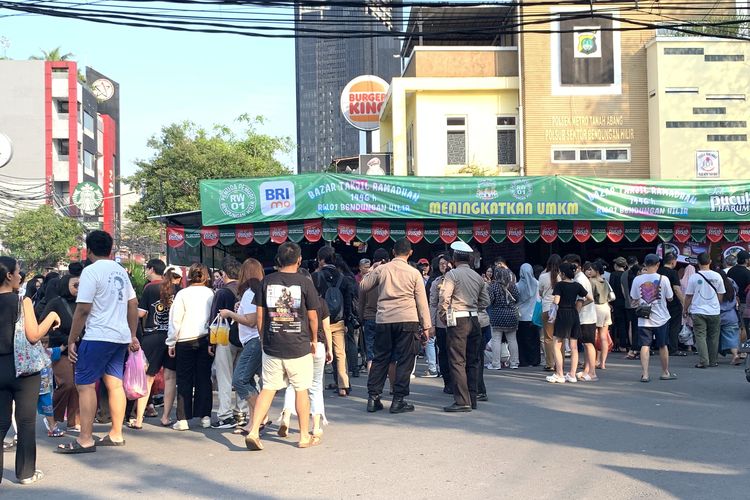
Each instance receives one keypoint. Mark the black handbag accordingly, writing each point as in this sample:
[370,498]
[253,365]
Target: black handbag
[643,311]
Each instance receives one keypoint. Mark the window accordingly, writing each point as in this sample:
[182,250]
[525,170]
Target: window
[456,140]
[732,57]
[725,97]
[63,107]
[410,150]
[681,90]
[591,154]
[709,111]
[506,140]
[88,123]
[707,124]
[88,163]
[63,147]
[683,51]
[727,138]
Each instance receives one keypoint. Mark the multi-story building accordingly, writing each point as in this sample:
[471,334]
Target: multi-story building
[325,66]
[62,133]
[587,99]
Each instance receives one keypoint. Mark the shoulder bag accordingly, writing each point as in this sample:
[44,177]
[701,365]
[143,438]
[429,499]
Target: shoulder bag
[644,310]
[29,358]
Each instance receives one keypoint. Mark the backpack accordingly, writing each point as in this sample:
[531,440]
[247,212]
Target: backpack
[334,299]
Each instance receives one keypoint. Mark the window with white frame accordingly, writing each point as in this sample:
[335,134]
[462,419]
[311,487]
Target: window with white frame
[507,140]
[456,128]
[88,124]
[88,163]
[615,153]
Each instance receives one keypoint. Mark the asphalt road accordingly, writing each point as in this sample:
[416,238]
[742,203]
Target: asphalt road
[617,438]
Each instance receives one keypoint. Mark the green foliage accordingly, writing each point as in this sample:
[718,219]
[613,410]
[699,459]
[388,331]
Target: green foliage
[41,237]
[55,54]
[474,171]
[142,237]
[720,25]
[186,153]
[137,277]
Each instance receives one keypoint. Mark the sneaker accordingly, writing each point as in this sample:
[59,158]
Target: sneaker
[570,379]
[555,379]
[226,423]
[429,374]
[180,425]
[206,422]
[37,476]
[413,376]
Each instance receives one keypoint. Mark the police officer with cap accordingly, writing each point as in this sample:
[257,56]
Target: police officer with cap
[463,294]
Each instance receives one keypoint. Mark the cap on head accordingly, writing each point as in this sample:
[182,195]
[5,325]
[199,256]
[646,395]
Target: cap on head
[423,261]
[175,270]
[651,260]
[461,247]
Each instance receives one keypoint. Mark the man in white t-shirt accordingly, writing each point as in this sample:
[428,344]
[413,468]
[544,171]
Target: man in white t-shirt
[702,298]
[108,307]
[653,290]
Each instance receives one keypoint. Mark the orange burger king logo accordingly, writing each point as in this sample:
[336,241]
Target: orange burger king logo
[362,100]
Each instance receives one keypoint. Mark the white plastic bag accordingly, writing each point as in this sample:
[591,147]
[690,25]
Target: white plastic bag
[686,335]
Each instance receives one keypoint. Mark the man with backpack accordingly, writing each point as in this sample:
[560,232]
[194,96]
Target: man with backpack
[225,356]
[339,296]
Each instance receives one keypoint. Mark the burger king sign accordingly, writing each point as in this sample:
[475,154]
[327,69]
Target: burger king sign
[362,100]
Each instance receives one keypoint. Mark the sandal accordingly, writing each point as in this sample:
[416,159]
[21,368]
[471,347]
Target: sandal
[313,441]
[132,425]
[150,413]
[240,431]
[670,376]
[55,433]
[736,361]
[631,355]
[107,441]
[700,365]
[74,447]
[169,423]
[253,443]
[283,430]
[645,380]
[36,476]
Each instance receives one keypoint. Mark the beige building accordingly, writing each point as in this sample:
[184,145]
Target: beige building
[698,108]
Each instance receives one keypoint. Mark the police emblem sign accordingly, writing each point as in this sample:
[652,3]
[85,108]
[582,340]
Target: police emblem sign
[587,42]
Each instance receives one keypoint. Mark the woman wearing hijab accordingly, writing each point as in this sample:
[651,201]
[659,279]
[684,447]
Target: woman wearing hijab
[65,395]
[528,333]
[48,291]
[503,312]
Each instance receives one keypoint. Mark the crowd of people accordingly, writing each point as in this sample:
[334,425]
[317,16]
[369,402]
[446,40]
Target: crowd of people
[283,328]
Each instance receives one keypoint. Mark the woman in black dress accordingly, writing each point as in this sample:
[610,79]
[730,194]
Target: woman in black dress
[566,294]
[23,391]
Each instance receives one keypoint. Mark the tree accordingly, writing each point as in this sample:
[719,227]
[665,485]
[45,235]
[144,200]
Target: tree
[41,237]
[55,54]
[142,237]
[186,153]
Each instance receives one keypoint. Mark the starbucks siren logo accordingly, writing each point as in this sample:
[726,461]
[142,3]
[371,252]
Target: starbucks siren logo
[237,201]
[88,196]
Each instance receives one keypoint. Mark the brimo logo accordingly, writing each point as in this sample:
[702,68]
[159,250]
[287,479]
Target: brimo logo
[277,198]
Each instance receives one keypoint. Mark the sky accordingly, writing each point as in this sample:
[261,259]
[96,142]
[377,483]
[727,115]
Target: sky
[167,77]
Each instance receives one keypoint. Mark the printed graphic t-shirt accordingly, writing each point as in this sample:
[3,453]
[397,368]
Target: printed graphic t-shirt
[286,298]
[157,317]
[106,286]
[654,290]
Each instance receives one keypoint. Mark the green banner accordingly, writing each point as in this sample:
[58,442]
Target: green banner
[343,196]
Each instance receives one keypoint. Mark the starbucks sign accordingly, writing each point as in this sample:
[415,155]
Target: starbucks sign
[88,196]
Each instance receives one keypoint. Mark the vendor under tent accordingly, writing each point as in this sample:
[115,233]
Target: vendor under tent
[242,216]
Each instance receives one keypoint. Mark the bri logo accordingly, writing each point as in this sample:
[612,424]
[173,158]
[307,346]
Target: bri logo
[277,198]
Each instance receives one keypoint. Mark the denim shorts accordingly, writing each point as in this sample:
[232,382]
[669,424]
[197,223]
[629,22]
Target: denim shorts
[654,336]
[97,358]
[248,365]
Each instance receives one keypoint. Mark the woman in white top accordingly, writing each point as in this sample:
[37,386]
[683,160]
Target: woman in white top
[547,282]
[188,343]
[251,358]
[528,333]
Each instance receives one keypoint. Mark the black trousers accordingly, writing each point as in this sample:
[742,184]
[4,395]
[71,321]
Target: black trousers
[24,392]
[464,341]
[675,325]
[486,336]
[441,342]
[529,353]
[193,374]
[635,345]
[620,327]
[390,338]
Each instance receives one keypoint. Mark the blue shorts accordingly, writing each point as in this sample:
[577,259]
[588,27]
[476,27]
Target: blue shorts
[654,336]
[44,405]
[97,358]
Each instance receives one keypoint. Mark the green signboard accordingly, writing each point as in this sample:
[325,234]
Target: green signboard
[343,196]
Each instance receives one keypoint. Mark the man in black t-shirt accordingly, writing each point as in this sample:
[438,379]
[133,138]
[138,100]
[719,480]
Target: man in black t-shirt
[741,275]
[288,324]
[667,269]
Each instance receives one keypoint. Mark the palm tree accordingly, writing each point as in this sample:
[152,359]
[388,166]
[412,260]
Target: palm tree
[55,54]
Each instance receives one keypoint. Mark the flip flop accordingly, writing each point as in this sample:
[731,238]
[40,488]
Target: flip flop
[107,441]
[313,441]
[133,425]
[671,376]
[283,430]
[168,424]
[253,443]
[73,448]
[240,431]
[645,380]
[55,433]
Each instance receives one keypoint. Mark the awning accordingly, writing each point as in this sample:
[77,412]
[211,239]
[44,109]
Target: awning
[347,230]
[554,198]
